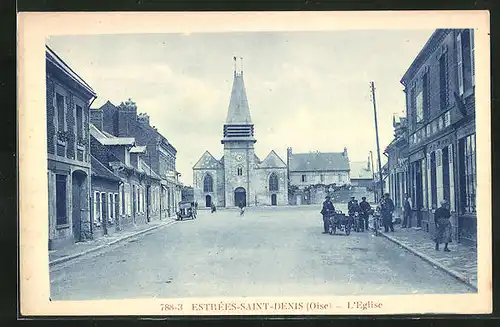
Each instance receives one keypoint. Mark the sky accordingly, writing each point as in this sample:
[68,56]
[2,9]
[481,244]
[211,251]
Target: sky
[306,90]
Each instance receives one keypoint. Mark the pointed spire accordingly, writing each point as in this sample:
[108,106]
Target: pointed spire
[238,111]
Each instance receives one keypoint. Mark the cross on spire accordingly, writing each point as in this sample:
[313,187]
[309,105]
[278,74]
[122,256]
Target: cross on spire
[236,70]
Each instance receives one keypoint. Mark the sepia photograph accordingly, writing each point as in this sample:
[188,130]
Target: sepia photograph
[265,171]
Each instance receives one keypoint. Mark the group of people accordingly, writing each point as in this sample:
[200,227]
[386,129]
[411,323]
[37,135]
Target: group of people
[386,208]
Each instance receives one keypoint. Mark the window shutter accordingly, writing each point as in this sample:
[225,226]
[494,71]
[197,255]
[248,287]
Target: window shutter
[472,68]
[460,65]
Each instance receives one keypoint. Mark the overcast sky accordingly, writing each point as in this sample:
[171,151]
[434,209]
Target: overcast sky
[306,90]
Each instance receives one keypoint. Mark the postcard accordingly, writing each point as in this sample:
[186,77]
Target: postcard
[254,163]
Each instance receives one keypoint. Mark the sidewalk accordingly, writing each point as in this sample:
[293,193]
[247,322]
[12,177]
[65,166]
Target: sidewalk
[461,262]
[82,248]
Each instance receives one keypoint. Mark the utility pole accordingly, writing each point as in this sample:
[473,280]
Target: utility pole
[376,134]
[373,178]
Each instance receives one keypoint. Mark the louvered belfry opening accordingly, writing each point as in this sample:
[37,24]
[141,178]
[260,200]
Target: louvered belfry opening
[238,131]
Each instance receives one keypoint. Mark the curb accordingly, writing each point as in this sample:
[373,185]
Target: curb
[97,248]
[433,262]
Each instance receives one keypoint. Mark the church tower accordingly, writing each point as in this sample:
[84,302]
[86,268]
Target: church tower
[238,140]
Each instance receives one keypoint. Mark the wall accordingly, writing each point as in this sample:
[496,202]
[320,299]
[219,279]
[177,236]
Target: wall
[312,178]
[218,186]
[260,184]
[231,163]
[103,185]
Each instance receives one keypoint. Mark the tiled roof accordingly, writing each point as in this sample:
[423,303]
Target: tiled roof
[110,140]
[272,161]
[52,57]
[207,161]
[319,161]
[100,170]
[138,149]
[238,111]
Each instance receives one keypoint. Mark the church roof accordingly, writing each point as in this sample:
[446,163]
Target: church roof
[359,170]
[272,161]
[238,111]
[207,161]
[319,161]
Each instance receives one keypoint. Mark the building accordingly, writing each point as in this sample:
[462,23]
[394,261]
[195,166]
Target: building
[158,153]
[440,106]
[361,174]
[138,196]
[314,175]
[397,166]
[68,154]
[239,177]
[187,194]
[105,190]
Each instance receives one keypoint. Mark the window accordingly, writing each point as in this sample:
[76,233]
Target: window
[208,183]
[425,92]
[60,112]
[61,200]
[104,212]
[116,206]
[412,108]
[79,122]
[304,178]
[433,180]
[446,173]
[443,83]
[97,207]
[273,182]
[240,171]
[468,173]
[127,157]
[465,58]
[419,107]
[111,207]
[122,198]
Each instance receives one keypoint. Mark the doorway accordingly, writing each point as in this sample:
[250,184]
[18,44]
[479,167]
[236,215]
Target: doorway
[208,201]
[273,200]
[240,196]
[79,198]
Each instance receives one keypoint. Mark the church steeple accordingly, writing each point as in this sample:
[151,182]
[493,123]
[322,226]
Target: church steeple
[238,126]
[238,111]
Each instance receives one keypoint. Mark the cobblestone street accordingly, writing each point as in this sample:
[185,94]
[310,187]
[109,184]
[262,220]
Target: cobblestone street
[276,251]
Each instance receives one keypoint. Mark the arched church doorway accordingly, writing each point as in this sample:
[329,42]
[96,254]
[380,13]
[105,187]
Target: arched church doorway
[208,201]
[273,200]
[240,196]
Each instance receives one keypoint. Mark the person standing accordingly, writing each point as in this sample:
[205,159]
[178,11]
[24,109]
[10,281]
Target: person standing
[407,212]
[443,225]
[242,208]
[327,211]
[365,210]
[387,208]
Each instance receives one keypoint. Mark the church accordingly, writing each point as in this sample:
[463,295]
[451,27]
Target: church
[239,177]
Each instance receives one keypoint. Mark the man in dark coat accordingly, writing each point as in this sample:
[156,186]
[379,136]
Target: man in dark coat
[407,212]
[386,209]
[327,211]
[365,210]
[443,225]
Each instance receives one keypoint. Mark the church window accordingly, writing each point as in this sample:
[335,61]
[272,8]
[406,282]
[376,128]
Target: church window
[208,184]
[273,182]
[240,171]
[304,178]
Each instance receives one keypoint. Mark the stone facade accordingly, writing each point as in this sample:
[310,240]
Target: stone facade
[68,99]
[239,176]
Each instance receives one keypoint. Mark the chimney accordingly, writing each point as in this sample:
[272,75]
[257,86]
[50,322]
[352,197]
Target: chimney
[96,118]
[127,112]
[345,152]
[143,118]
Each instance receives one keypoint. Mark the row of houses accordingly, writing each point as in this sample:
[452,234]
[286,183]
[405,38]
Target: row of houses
[108,168]
[433,154]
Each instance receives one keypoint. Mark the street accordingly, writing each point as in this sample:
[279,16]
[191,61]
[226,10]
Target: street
[276,251]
